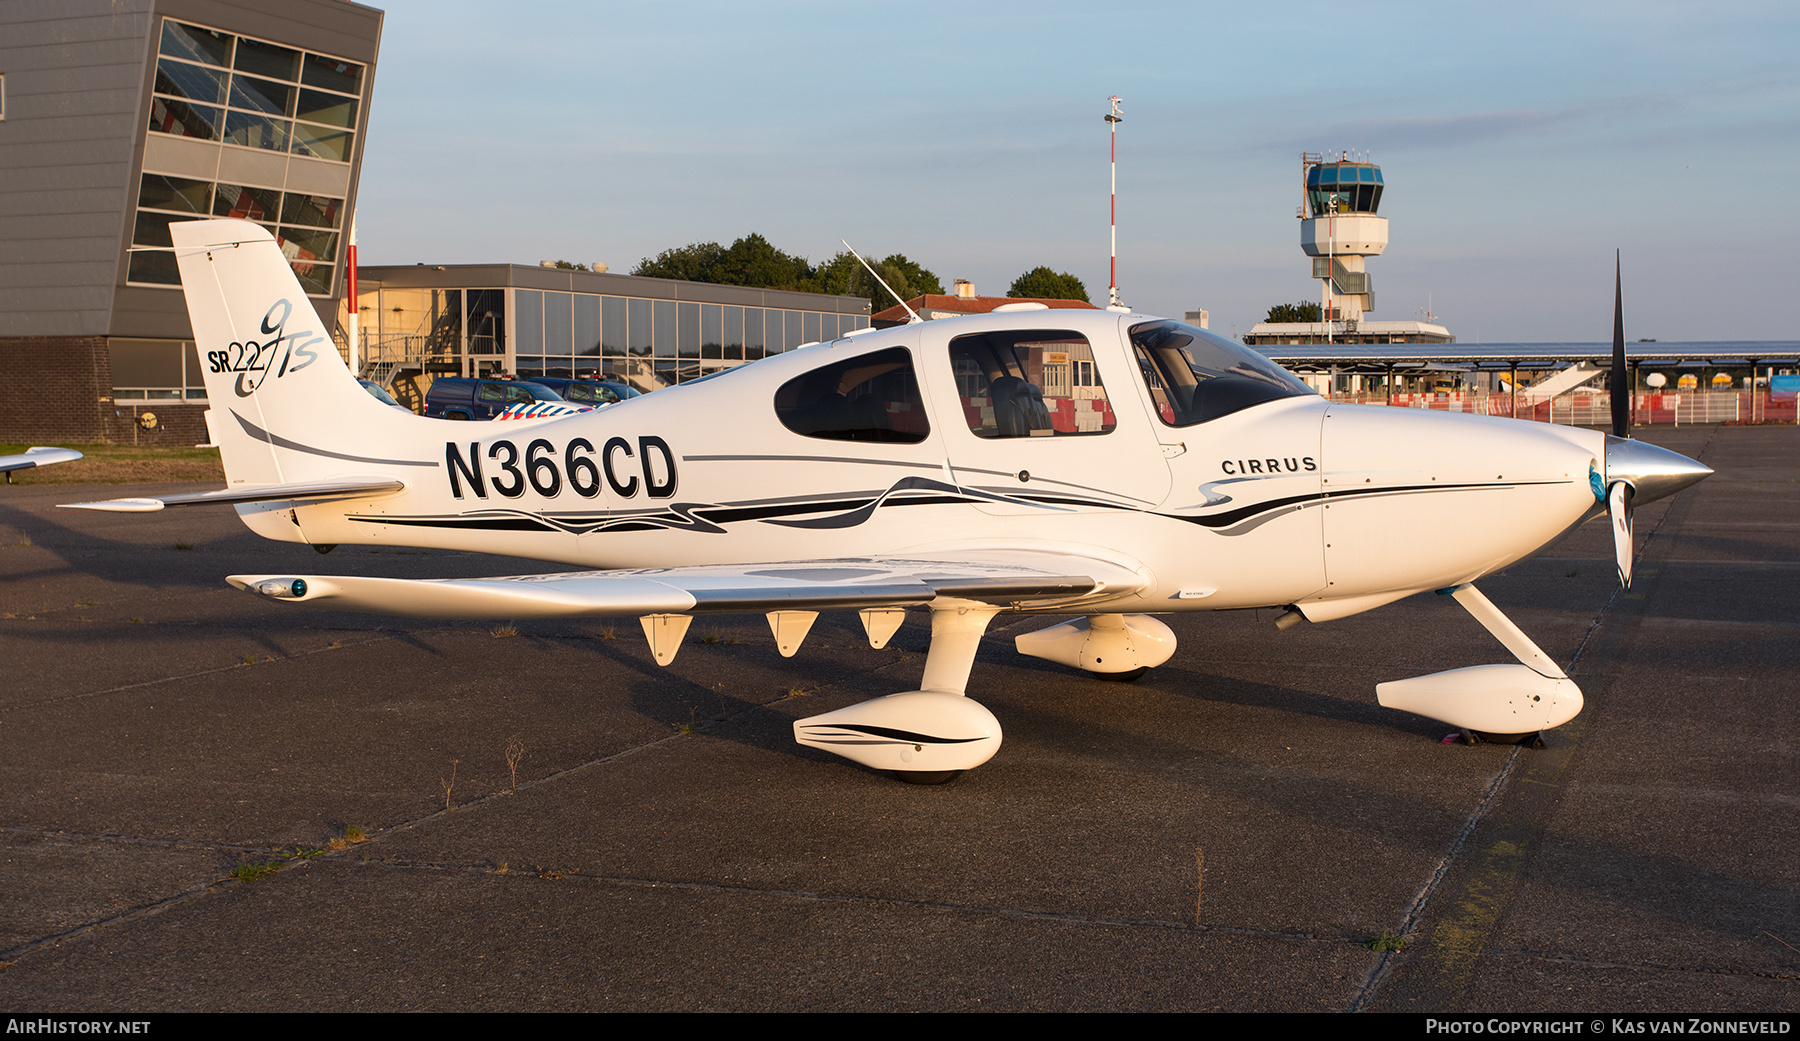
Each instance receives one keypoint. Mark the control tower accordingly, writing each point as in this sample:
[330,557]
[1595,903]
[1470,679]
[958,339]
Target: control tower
[1341,231]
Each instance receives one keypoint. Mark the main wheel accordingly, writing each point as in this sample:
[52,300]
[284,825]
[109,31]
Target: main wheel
[927,776]
[1121,677]
[1534,739]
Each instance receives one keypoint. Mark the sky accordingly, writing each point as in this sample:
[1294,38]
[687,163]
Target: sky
[1521,145]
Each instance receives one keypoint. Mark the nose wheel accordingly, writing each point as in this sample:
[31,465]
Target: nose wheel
[927,776]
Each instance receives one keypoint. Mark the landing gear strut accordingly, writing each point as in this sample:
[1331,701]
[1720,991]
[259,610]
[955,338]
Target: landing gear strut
[925,736]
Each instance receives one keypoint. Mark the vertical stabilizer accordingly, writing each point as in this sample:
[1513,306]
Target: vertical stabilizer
[284,407]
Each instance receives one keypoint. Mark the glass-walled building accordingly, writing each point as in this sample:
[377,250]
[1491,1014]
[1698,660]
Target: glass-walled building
[291,114]
[123,117]
[478,320]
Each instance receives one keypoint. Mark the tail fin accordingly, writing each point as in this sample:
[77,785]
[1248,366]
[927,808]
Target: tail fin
[285,407]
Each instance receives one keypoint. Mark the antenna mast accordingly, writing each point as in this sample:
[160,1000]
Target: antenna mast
[1113,118]
[915,315]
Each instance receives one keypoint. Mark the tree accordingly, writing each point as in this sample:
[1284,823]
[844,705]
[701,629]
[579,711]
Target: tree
[1041,283]
[844,275]
[862,284]
[835,276]
[921,280]
[1304,311]
[752,261]
[692,263]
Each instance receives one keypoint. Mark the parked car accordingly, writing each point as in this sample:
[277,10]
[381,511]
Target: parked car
[457,397]
[375,391]
[589,392]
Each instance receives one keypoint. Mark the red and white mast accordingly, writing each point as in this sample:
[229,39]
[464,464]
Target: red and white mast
[354,320]
[1113,119]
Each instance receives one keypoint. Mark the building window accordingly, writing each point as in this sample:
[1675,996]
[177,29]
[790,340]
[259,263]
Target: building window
[216,86]
[219,87]
[305,226]
[156,370]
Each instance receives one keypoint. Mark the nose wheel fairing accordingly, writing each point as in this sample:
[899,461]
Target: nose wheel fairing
[1498,699]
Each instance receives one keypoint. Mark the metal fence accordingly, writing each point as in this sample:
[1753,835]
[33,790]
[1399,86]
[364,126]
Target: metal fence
[1595,409]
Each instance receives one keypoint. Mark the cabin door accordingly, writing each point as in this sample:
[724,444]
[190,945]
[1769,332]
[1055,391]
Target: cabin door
[1042,421]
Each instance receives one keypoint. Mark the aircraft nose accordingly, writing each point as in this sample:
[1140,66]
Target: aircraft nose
[1652,472]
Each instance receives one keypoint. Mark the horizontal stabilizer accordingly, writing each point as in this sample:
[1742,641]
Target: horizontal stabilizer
[796,586]
[37,457]
[302,491]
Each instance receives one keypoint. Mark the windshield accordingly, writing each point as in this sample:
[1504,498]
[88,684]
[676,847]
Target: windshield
[532,392]
[1195,375]
[378,394]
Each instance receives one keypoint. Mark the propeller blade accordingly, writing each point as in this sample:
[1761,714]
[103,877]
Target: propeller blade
[1617,385]
[1618,507]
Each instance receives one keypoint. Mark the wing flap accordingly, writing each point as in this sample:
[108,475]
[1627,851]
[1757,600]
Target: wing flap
[299,491]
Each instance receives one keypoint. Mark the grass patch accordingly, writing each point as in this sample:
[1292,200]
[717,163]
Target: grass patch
[503,631]
[248,873]
[351,836]
[124,464]
[1385,942]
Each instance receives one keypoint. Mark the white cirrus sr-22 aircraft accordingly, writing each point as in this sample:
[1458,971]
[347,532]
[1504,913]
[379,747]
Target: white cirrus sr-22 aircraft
[1056,462]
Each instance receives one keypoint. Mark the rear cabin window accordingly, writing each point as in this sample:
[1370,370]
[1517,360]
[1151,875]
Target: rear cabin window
[1030,384]
[874,397]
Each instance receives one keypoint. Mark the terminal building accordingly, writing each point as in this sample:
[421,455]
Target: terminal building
[118,117]
[424,321]
[1340,228]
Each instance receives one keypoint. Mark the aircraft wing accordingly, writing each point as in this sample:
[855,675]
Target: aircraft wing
[37,457]
[807,585]
[299,491]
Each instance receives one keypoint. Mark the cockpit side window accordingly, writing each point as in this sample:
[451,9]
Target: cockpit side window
[873,397]
[1195,376]
[1037,383]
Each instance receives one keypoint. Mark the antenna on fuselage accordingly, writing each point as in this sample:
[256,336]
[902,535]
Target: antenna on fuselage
[915,315]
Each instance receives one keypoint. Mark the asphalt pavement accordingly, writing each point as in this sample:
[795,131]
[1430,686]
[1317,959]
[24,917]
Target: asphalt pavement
[184,768]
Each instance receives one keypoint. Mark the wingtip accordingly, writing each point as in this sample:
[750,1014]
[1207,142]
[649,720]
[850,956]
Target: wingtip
[115,505]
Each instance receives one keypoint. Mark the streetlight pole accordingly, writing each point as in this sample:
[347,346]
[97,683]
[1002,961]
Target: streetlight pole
[1113,118]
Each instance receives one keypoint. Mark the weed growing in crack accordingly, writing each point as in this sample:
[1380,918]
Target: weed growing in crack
[248,873]
[450,784]
[515,751]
